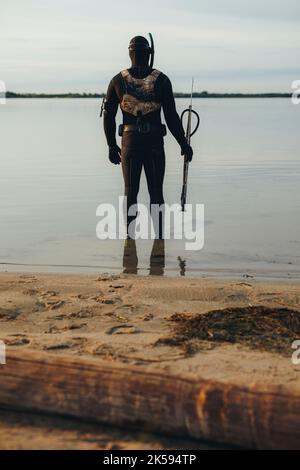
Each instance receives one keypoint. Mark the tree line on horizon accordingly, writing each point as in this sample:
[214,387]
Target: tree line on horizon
[203,94]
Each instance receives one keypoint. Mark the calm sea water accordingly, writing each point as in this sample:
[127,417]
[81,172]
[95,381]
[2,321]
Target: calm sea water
[246,171]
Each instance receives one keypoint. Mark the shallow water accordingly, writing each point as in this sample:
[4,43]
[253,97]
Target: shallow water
[246,171]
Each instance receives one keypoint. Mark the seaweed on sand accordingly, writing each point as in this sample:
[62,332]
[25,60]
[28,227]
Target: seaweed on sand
[258,327]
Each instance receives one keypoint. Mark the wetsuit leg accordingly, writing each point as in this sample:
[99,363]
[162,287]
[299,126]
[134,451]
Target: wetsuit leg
[132,167]
[154,165]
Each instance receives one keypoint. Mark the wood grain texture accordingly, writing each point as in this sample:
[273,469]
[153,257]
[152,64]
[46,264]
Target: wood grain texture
[107,392]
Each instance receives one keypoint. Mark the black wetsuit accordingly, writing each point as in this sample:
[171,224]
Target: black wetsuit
[143,150]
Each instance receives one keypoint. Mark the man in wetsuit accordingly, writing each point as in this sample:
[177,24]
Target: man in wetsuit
[142,92]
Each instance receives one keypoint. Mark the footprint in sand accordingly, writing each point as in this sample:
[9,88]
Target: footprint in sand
[9,314]
[276,297]
[27,279]
[108,278]
[17,340]
[53,329]
[30,292]
[84,313]
[113,300]
[89,296]
[54,305]
[148,317]
[238,297]
[48,305]
[48,293]
[123,329]
[53,347]
[48,301]
[75,343]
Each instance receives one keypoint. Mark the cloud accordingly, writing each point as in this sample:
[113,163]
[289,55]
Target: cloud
[61,45]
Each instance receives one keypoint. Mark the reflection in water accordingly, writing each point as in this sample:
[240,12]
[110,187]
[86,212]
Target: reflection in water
[157,258]
[182,266]
[130,259]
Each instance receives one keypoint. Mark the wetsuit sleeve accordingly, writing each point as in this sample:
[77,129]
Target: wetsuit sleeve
[172,119]
[109,115]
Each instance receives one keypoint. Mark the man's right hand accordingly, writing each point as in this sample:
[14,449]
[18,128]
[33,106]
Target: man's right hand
[187,151]
[114,155]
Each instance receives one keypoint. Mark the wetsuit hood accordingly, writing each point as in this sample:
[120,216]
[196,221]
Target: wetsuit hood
[140,51]
[139,43]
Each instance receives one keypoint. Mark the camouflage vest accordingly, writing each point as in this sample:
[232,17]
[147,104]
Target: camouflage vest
[139,97]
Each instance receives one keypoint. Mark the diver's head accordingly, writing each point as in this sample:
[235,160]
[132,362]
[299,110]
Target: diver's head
[139,51]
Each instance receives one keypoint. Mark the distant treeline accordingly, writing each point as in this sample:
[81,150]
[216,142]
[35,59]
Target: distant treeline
[203,94]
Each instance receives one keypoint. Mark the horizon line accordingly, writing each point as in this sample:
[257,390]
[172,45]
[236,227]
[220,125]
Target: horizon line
[203,94]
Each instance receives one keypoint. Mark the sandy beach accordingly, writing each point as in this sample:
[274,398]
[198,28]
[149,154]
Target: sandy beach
[135,320]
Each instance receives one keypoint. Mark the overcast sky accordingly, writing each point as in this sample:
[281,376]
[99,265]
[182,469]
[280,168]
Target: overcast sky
[78,45]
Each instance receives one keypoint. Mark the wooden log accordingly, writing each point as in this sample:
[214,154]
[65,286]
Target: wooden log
[254,416]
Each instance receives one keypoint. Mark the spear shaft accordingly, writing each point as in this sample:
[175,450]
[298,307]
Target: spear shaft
[188,136]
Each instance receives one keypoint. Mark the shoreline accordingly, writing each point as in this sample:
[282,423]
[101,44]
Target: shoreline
[212,273]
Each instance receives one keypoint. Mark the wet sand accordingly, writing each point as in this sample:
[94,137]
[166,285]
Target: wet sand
[123,318]
[23,431]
